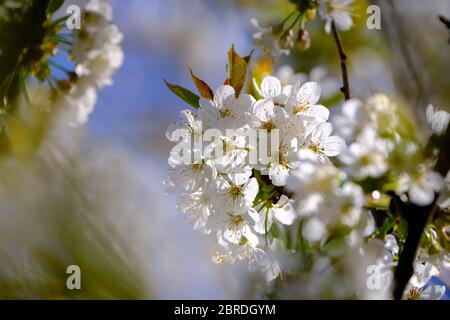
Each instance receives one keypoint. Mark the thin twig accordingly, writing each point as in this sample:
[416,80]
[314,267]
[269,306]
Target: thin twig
[446,22]
[342,57]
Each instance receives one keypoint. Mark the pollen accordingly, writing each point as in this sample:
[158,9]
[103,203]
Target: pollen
[302,107]
[197,166]
[237,220]
[225,112]
[413,294]
[366,159]
[235,191]
[316,148]
[269,125]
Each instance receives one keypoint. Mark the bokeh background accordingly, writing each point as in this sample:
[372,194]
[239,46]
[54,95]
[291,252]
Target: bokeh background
[113,217]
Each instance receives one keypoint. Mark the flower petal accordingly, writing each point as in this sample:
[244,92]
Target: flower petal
[309,93]
[333,146]
[270,87]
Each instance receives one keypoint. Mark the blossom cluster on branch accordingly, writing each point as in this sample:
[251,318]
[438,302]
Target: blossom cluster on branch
[323,200]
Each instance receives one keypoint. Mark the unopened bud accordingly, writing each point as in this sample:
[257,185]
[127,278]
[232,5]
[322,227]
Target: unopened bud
[303,39]
[311,14]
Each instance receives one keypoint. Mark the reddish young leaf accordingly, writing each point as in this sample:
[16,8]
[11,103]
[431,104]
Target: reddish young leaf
[202,87]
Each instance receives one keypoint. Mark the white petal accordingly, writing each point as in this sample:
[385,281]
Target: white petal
[264,109]
[250,236]
[333,146]
[309,92]
[435,180]
[343,20]
[430,113]
[251,190]
[270,87]
[224,95]
[278,175]
[321,131]
[420,194]
[286,215]
[314,230]
[245,102]
[320,112]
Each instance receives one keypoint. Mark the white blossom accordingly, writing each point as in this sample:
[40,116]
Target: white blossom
[197,208]
[303,100]
[322,144]
[351,119]
[233,194]
[270,42]
[329,85]
[337,11]
[97,52]
[282,211]
[367,157]
[438,120]
[225,111]
[421,185]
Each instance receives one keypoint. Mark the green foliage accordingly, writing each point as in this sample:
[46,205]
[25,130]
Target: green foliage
[54,5]
[187,96]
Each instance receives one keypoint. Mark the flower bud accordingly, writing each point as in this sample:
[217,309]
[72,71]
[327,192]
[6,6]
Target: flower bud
[303,39]
[311,14]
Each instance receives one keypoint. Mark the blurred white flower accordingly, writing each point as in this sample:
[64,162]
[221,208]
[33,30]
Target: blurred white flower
[367,157]
[322,195]
[337,11]
[196,206]
[421,185]
[97,52]
[270,42]
[444,199]
[350,119]
[329,85]
[438,120]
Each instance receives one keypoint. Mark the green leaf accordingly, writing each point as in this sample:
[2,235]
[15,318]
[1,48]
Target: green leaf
[267,188]
[202,87]
[237,70]
[187,96]
[275,231]
[54,5]
[303,248]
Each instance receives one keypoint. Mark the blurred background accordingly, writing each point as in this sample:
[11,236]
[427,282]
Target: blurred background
[109,214]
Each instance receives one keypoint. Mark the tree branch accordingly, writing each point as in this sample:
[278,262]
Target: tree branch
[342,57]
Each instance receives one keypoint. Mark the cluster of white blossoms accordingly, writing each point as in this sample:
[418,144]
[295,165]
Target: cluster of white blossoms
[229,195]
[265,174]
[276,41]
[244,200]
[372,131]
[98,54]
